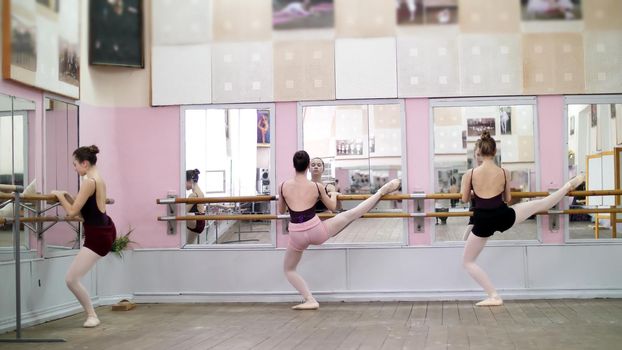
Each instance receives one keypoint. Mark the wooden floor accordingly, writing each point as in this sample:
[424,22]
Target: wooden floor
[533,324]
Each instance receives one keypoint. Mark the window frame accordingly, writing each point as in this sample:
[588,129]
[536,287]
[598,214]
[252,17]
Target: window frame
[24,248]
[404,164]
[483,102]
[272,177]
[584,99]
[51,96]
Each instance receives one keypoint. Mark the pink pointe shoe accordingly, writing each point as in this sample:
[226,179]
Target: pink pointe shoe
[91,322]
[307,305]
[390,186]
[491,301]
[575,182]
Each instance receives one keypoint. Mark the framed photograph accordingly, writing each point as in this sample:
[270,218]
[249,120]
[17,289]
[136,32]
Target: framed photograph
[214,181]
[116,33]
[618,108]
[593,115]
[546,10]
[571,125]
[305,14]
[475,126]
[68,62]
[52,64]
[418,12]
[263,128]
[505,120]
[349,147]
[464,139]
[519,180]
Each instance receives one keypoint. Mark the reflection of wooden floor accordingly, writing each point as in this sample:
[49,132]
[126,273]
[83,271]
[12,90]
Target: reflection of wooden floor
[252,233]
[391,231]
[6,238]
[521,324]
[455,227]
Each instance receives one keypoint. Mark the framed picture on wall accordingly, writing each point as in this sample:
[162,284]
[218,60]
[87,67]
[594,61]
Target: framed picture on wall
[544,10]
[263,128]
[505,120]
[476,126]
[288,14]
[116,33]
[618,108]
[418,12]
[41,45]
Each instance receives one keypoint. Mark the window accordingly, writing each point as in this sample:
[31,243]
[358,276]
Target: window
[458,124]
[14,115]
[61,139]
[231,149]
[361,147]
[594,139]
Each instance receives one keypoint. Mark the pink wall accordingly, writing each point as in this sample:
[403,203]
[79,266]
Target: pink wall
[286,143]
[551,150]
[140,160]
[418,132]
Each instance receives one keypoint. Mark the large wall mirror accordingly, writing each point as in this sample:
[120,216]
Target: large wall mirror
[61,121]
[361,146]
[15,114]
[458,124]
[231,147]
[594,135]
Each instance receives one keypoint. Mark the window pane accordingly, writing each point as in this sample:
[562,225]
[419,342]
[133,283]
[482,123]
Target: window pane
[456,129]
[594,133]
[231,150]
[361,146]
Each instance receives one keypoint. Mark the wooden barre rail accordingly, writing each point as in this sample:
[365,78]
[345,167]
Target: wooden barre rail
[346,197]
[40,219]
[11,188]
[372,215]
[40,197]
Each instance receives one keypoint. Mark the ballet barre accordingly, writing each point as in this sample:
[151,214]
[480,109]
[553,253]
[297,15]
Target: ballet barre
[402,215]
[357,197]
[418,215]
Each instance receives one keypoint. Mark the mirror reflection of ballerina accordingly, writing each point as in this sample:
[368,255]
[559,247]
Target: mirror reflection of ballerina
[194,227]
[316,168]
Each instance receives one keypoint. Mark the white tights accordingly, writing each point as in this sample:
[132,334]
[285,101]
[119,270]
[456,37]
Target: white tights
[83,262]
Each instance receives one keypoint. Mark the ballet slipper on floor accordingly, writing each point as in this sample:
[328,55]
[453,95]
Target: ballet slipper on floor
[491,301]
[91,322]
[307,305]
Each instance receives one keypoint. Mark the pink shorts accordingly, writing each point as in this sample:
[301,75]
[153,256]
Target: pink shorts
[309,232]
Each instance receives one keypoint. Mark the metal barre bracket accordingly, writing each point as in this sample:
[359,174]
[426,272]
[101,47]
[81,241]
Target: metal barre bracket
[419,215]
[553,214]
[171,210]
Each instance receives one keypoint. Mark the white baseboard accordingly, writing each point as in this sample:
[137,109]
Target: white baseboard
[365,296]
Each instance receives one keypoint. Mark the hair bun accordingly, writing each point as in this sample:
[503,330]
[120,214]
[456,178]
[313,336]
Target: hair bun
[196,171]
[93,149]
[485,135]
